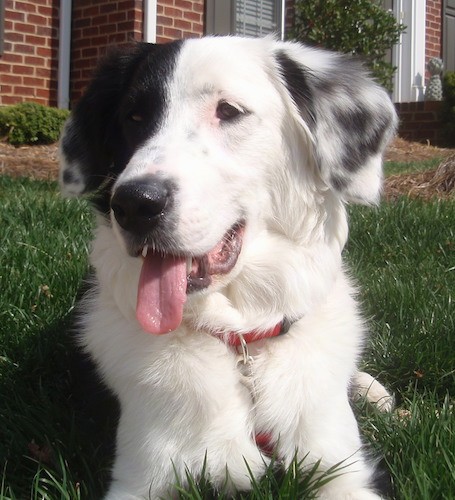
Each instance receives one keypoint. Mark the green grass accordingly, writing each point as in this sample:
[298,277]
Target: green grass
[43,257]
[403,256]
[392,167]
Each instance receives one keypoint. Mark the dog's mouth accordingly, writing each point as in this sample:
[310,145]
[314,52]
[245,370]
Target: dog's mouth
[166,279]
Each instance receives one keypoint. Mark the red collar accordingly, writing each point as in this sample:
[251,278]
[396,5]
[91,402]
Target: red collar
[234,338]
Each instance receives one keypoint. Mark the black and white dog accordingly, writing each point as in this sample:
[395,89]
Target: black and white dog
[221,315]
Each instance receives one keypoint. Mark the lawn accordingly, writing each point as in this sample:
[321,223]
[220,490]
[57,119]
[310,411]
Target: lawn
[403,256]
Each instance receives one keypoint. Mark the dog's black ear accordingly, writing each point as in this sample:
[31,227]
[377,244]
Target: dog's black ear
[86,144]
[128,82]
[349,117]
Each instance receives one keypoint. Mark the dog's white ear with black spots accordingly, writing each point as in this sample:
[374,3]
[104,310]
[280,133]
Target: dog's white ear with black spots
[351,118]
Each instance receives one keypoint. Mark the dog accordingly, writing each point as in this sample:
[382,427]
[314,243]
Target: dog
[221,315]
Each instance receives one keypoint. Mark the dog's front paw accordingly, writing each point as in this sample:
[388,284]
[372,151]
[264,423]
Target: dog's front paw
[358,494]
[234,467]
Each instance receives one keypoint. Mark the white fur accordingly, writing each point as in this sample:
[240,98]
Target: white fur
[182,394]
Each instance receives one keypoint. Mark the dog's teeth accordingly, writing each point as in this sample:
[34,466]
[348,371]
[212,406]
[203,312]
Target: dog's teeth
[189,265]
[144,251]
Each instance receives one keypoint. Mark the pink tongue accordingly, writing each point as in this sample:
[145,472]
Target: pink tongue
[161,293]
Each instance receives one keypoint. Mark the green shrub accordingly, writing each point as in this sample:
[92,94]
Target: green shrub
[361,27]
[448,114]
[31,123]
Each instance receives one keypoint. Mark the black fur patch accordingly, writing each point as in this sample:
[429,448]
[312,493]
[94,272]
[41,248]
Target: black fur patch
[122,106]
[296,83]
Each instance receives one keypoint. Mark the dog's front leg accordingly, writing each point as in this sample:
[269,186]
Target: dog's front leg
[302,404]
[189,408]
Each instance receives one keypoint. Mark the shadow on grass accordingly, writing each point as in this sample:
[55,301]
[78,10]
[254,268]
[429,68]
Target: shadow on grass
[57,423]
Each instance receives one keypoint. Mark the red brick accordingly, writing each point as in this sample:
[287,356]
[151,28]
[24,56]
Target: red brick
[124,27]
[91,11]
[43,93]
[193,16]
[190,34]
[117,17]
[118,38]
[38,20]
[108,28]
[8,100]
[183,4]
[35,61]
[173,33]
[23,70]
[24,6]
[90,52]
[46,11]
[81,22]
[34,82]
[43,72]
[198,7]
[11,79]
[13,58]
[37,40]
[108,7]
[14,37]
[98,20]
[15,16]
[43,51]
[24,28]
[24,48]
[88,32]
[25,91]
[181,24]
[164,21]
[173,12]
[45,31]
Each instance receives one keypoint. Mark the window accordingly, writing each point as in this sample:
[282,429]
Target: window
[244,17]
[256,17]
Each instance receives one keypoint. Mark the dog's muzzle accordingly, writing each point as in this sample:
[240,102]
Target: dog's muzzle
[144,211]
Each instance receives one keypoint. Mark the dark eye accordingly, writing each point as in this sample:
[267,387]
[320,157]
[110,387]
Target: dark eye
[226,111]
[136,117]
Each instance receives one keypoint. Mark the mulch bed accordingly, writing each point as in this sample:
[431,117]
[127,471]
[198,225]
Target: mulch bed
[37,162]
[438,183]
[41,162]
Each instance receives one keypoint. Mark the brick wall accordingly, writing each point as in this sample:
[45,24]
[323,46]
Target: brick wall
[433,35]
[28,65]
[421,122]
[97,26]
[179,19]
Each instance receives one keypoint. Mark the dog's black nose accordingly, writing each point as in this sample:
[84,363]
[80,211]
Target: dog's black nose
[139,205]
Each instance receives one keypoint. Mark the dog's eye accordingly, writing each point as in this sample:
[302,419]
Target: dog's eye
[226,111]
[136,117]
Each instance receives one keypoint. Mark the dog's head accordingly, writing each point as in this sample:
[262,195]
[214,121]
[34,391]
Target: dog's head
[194,148]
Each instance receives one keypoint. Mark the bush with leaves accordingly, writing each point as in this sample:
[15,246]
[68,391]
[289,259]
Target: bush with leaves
[360,27]
[448,113]
[31,123]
